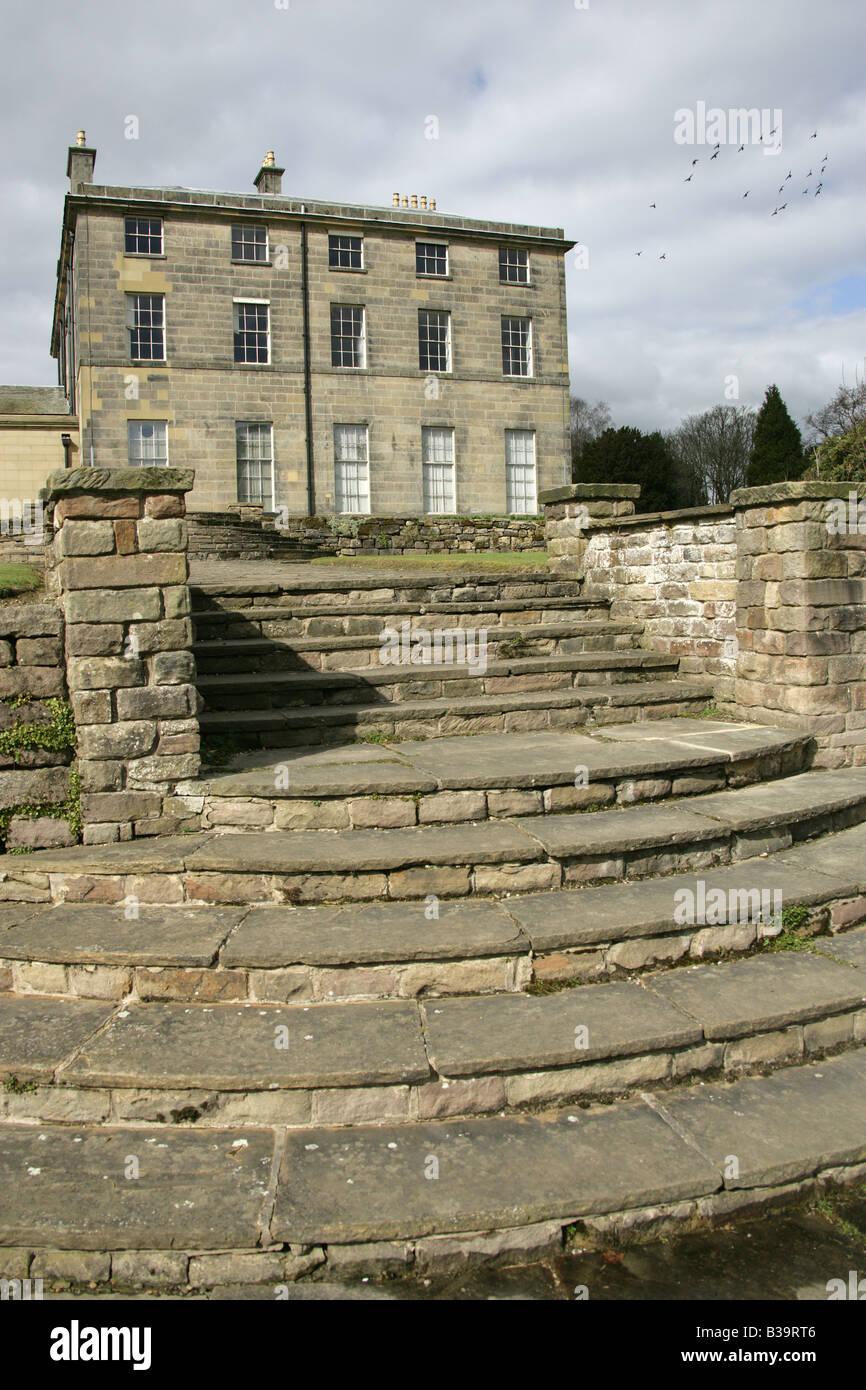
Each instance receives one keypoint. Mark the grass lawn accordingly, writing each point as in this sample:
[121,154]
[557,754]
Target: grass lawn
[474,560]
[18,579]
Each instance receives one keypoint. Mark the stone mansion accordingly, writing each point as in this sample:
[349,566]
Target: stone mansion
[319,357]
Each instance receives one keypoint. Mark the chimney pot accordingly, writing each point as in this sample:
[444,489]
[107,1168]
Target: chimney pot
[423,200]
[404,201]
[396,200]
[432,204]
[81,138]
[414,200]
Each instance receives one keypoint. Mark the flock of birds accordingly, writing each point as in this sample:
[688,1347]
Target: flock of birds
[782,207]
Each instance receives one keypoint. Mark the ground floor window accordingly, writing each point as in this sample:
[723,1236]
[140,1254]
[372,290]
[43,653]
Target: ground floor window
[148,443]
[437,455]
[351,469]
[255,460]
[520,480]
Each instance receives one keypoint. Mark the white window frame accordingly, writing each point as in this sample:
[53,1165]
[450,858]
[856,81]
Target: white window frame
[353,236]
[260,426]
[512,465]
[134,217]
[433,274]
[528,346]
[438,313]
[142,461]
[361,338]
[247,361]
[362,465]
[516,250]
[133,308]
[428,479]
[242,227]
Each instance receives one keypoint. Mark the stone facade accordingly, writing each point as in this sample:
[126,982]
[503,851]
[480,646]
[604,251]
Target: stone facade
[201,392]
[120,572]
[33,423]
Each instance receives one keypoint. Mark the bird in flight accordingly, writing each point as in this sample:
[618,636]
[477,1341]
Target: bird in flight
[689,179]
[740,150]
[694,162]
[747,192]
[714,156]
[652,205]
[663,256]
[775,212]
[817,191]
[814,136]
[638,253]
[789,175]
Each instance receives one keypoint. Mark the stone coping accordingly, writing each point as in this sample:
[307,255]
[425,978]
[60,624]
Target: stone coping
[793,492]
[157,479]
[586,492]
[645,519]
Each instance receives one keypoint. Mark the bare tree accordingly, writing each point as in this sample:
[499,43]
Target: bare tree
[712,451]
[841,414]
[587,423]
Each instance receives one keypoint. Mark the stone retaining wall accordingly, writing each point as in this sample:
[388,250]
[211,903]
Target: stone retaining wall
[245,535]
[36,737]
[676,573]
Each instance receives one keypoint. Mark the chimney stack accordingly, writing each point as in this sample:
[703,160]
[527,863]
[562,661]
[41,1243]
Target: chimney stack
[269,179]
[80,162]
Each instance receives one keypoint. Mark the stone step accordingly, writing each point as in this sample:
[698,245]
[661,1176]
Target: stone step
[323,585]
[448,861]
[439,718]
[360,617]
[488,776]
[286,954]
[400,683]
[341,1193]
[279,954]
[342,653]
[341,1063]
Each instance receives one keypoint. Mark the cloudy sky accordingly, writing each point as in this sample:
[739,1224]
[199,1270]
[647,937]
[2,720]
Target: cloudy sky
[559,112]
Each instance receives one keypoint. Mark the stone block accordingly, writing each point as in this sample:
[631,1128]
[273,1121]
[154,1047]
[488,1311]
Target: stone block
[85,538]
[158,535]
[103,672]
[149,1269]
[173,668]
[156,702]
[126,739]
[123,571]
[71,1266]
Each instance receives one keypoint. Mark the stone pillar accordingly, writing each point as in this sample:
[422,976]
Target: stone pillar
[569,514]
[801,612]
[119,569]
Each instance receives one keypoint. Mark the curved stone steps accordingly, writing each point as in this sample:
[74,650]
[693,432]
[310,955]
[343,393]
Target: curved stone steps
[282,954]
[327,1202]
[454,780]
[344,1063]
[481,858]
